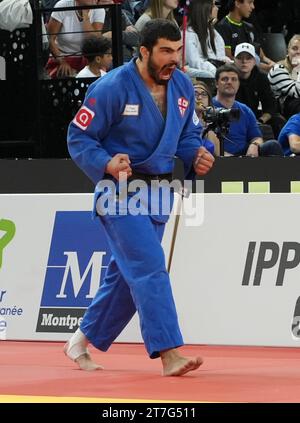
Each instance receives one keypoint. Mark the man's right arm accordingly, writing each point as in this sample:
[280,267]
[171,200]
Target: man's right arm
[87,130]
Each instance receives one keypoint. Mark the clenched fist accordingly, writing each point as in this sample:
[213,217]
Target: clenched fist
[203,161]
[119,166]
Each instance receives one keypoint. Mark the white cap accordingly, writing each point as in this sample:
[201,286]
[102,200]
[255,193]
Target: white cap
[245,48]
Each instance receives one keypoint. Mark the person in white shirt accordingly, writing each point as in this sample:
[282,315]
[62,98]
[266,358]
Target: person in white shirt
[97,52]
[204,48]
[66,31]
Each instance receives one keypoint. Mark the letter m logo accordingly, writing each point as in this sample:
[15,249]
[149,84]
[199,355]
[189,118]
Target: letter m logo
[72,269]
[78,257]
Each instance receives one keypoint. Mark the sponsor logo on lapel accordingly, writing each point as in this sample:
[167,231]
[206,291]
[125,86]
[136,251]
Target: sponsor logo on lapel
[131,110]
[84,117]
[183,105]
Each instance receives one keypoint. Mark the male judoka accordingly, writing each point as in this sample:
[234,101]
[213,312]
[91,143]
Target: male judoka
[133,122]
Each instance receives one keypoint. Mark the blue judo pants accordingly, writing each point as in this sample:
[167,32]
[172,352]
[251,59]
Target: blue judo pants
[136,280]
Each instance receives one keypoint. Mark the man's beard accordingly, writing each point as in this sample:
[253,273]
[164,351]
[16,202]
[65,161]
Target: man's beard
[154,71]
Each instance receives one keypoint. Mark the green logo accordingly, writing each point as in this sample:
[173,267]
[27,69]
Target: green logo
[10,228]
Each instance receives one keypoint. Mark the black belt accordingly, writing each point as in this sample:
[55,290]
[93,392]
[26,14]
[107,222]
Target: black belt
[146,177]
[149,178]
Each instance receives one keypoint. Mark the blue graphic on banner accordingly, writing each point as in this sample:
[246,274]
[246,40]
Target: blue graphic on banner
[78,258]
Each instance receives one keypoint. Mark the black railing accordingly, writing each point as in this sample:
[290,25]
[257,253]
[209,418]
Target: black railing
[36,111]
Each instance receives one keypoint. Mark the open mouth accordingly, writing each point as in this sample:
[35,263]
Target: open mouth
[167,71]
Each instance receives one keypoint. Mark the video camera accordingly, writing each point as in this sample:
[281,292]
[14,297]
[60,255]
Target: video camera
[218,119]
[219,116]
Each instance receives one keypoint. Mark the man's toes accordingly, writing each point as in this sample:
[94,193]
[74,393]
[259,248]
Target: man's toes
[86,363]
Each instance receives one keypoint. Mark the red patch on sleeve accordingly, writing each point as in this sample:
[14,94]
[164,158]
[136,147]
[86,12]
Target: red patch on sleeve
[84,117]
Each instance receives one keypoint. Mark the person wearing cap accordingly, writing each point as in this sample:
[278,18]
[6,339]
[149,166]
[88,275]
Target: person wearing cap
[255,90]
[235,30]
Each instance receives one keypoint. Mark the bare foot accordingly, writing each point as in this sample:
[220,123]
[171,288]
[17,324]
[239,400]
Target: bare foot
[176,365]
[86,363]
[80,355]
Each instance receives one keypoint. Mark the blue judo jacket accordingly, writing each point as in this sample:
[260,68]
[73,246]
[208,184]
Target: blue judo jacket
[119,115]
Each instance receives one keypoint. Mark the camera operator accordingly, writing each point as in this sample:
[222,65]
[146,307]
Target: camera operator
[244,136]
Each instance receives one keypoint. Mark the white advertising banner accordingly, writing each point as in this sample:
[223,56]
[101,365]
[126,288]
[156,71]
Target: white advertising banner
[235,267]
[236,275]
[52,258]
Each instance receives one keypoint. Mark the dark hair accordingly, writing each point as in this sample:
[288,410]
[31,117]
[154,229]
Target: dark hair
[95,46]
[199,21]
[231,4]
[156,29]
[227,68]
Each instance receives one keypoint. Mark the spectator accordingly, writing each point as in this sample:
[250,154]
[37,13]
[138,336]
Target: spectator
[158,9]
[134,9]
[205,48]
[289,136]
[66,32]
[130,36]
[235,30]
[244,136]
[255,90]
[284,78]
[203,102]
[97,52]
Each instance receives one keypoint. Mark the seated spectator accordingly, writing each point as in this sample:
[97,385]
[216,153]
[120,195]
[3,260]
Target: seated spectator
[66,32]
[235,30]
[205,48]
[158,9]
[130,36]
[289,136]
[255,90]
[203,100]
[284,78]
[97,52]
[244,136]
[134,9]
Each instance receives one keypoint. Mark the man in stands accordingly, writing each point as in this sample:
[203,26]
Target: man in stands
[255,90]
[244,136]
[235,30]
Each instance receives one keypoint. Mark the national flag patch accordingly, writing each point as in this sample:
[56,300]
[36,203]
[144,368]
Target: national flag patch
[183,105]
[84,117]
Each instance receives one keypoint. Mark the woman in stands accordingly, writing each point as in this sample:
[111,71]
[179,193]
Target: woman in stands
[284,78]
[203,103]
[66,30]
[158,9]
[205,48]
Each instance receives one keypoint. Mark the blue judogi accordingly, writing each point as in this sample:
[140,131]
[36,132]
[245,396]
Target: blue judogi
[120,116]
